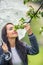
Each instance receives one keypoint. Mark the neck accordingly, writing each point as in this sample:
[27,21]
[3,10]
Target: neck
[12,42]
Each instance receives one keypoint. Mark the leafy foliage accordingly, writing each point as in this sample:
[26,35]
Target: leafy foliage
[20,25]
[41,30]
[22,20]
[39,1]
[41,13]
[32,12]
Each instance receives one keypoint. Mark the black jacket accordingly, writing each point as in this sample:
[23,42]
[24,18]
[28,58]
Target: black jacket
[23,50]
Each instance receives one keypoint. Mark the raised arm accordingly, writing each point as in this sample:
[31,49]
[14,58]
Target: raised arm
[33,48]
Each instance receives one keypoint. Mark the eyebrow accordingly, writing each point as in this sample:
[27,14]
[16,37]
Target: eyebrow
[10,27]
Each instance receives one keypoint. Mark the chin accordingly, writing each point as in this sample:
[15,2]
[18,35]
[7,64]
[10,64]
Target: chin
[15,36]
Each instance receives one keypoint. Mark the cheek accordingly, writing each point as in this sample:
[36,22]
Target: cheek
[9,34]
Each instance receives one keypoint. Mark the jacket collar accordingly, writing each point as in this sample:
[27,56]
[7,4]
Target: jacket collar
[22,52]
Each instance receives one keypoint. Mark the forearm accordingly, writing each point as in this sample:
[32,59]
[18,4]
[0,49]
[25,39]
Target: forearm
[34,44]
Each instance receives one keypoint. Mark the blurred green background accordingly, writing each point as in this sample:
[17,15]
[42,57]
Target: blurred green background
[36,59]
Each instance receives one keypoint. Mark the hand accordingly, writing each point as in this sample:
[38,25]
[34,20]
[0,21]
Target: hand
[28,28]
[5,48]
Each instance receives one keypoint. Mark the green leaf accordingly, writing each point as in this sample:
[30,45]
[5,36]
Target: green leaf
[22,20]
[42,14]
[22,26]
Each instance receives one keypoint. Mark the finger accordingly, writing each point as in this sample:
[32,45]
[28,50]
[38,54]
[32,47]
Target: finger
[26,24]
[5,49]
[4,46]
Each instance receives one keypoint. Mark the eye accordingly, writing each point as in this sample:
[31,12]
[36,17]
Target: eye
[11,28]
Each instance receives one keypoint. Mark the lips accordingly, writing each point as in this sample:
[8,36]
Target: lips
[14,32]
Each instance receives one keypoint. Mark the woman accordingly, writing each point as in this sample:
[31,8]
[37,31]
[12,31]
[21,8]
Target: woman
[18,49]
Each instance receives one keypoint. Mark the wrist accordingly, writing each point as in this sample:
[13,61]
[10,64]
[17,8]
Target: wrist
[30,32]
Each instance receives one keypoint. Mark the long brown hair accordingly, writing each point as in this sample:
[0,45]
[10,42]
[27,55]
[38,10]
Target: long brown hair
[5,39]
[19,45]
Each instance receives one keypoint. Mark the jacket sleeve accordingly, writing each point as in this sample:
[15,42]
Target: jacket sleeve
[1,57]
[33,49]
[4,56]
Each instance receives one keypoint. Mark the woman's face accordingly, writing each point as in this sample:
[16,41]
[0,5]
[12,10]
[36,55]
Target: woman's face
[11,33]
